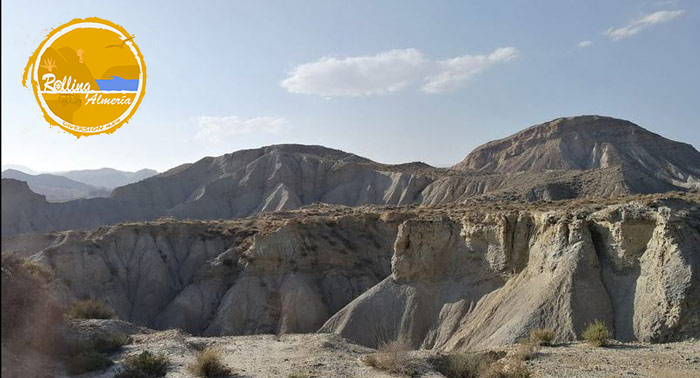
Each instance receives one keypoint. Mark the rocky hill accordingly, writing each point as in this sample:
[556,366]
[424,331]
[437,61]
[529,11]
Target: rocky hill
[452,278]
[578,157]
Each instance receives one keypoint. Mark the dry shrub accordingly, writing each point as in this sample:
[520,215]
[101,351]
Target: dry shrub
[208,365]
[31,317]
[85,361]
[542,337]
[479,365]
[144,365]
[597,334]
[466,365]
[90,308]
[525,350]
[394,357]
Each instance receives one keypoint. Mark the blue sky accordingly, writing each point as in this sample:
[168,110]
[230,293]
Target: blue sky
[394,81]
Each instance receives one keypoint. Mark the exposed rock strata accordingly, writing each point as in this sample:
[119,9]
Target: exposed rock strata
[443,278]
[488,279]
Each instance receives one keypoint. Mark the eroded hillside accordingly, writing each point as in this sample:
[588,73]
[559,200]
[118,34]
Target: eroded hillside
[453,277]
[567,158]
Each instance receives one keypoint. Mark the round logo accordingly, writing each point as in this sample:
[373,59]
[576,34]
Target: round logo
[88,76]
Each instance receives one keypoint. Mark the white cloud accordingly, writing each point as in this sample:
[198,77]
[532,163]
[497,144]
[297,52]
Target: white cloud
[453,73]
[214,129]
[642,23]
[388,72]
[583,44]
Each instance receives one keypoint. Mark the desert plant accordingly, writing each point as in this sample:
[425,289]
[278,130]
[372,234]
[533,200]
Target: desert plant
[86,361]
[208,364]
[466,365]
[101,344]
[525,350]
[31,316]
[144,365]
[542,336]
[394,358]
[597,334]
[90,309]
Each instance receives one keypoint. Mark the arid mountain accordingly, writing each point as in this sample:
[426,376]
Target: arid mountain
[56,188]
[109,178]
[585,143]
[586,156]
[578,157]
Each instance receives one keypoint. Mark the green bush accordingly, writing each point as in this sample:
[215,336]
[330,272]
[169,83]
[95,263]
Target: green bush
[90,309]
[597,334]
[208,365]
[86,361]
[144,365]
[542,336]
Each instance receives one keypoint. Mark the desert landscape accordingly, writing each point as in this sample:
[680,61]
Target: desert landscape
[571,249]
[350,189]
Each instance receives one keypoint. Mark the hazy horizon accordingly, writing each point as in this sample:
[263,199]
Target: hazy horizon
[393,82]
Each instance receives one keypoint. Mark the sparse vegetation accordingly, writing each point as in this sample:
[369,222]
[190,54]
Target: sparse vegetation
[144,365]
[85,361]
[542,337]
[31,318]
[208,364]
[394,358]
[466,365]
[93,354]
[90,309]
[597,334]
[297,375]
[525,350]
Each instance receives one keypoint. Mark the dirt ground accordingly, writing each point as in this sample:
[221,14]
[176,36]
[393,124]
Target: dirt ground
[328,355]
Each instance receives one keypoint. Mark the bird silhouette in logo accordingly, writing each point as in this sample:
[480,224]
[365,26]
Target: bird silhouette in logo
[121,45]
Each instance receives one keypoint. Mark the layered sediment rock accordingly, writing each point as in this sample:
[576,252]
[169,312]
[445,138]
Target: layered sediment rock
[487,279]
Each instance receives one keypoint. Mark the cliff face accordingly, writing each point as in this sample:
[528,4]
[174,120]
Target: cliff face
[269,275]
[488,279]
[443,278]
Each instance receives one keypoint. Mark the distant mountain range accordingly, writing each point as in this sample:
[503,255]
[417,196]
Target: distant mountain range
[108,177]
[71,185]
[576,157]
[56,188]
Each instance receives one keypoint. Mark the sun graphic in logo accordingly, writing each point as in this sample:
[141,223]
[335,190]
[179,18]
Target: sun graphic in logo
[88,76]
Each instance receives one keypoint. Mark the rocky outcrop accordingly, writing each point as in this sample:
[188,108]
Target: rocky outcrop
[445,278]
[483,279]
[268,275]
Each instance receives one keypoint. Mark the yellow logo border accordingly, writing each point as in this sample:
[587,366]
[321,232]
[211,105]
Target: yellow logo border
[33,60]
